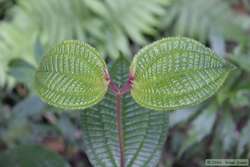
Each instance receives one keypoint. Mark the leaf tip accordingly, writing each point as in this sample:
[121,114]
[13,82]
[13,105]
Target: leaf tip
[231,67]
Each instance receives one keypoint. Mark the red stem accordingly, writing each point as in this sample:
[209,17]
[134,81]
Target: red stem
[119,92]
[113,87]
[120,129]
[127,87]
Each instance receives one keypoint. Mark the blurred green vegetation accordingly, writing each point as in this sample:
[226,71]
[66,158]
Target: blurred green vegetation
[218,128]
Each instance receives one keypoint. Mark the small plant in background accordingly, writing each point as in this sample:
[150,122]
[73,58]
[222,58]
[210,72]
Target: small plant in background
[170,74]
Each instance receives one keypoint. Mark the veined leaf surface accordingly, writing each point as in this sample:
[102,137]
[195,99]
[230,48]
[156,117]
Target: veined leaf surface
[144,130]
[72,76]
[176,72]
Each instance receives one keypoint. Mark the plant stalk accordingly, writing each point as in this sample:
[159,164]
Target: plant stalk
[120,128]
[119,92]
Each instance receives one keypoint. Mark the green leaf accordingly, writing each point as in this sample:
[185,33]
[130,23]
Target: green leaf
[30,106]
[31,156]
[241,98]
[72,76]
[201,127]
[193,19]
[22,71]
[176,72]
[144,130]
[243,60]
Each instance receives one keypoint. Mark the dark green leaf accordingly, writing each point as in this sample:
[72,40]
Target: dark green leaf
[244,141]
[241,98]
[144,130]
[22,71]
[200,128]
[30,106]
[243,60]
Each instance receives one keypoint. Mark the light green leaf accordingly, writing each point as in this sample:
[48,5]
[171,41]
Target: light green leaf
[72,76]
[176,72]
[144,130]
[193,19]
[31,156]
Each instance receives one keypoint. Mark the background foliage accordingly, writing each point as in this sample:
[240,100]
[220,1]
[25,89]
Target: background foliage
[218,128]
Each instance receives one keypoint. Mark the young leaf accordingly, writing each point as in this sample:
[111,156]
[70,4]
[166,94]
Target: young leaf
[144,130]
[176,72]
[31,156]
[72,76]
